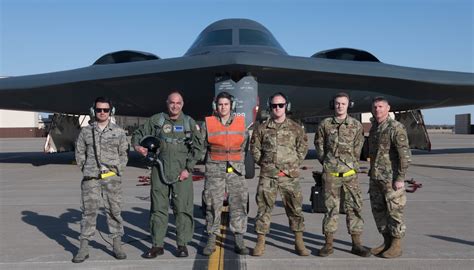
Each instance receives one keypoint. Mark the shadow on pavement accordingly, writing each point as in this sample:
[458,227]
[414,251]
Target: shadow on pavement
[452,239]
[65,158]
[444,151]
[38,158]
[457,168]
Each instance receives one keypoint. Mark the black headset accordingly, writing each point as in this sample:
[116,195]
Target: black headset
[287,101]
[101,100]
[341,94]
[226,95]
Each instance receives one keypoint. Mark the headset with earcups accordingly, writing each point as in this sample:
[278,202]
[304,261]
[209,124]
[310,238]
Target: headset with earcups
[287,101]
[230,97]
[342,94]
[102,100]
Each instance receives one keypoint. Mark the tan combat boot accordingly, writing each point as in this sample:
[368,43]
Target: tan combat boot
[119,254]
[210,246]
[395,249]
[260,247]
[357,247]
[83,253]
[299,245]
[387,241]
[326,250]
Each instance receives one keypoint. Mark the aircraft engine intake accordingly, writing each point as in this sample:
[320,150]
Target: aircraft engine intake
[125,57]
[347,54]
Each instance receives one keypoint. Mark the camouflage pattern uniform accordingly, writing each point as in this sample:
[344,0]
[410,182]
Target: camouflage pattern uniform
[390,156]
[217,179]
[112,153]
[338,146]
[176,153]
[279,148]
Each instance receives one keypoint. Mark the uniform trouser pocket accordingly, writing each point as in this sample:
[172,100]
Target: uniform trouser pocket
[214,189]
[352,203]
[290,191]
[112,196]
[396,200]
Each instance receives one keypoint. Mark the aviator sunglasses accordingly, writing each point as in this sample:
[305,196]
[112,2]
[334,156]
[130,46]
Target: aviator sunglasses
[98,110]
[279,105]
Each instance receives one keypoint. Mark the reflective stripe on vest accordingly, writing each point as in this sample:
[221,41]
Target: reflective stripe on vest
[225,141]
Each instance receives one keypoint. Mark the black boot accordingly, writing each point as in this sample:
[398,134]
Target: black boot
[182,251]
[153,252]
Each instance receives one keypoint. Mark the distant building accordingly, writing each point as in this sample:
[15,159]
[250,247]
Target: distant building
[15,124]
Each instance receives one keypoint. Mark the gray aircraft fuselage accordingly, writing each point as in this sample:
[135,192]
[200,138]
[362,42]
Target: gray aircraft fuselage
[139,83]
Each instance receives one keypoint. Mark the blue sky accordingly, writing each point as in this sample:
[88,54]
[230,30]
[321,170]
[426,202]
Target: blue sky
[39,36]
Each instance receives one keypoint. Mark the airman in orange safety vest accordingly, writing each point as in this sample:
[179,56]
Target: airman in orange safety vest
[225,138]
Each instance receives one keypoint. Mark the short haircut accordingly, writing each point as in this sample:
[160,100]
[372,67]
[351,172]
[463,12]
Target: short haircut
[342,94]
[103,100]
[224,95]
[379,99]
[279,94]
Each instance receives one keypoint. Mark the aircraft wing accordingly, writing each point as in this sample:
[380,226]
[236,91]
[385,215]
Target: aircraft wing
[140,88]
[139,82]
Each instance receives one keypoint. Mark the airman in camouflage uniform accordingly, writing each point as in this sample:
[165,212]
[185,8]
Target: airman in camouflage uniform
[101,150]
[179,150]
[279,145]
[390,155]
[338,141]
[225,173]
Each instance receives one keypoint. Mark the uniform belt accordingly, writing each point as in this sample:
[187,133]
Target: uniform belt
[102,175]
[346,174]
[87,178]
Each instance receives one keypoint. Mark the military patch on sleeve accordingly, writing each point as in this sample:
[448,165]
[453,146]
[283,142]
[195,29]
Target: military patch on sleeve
[402,137]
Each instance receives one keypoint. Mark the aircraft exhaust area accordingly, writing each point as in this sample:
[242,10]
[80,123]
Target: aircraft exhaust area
[40,214]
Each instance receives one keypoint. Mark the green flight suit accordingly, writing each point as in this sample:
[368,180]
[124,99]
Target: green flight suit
[179,149]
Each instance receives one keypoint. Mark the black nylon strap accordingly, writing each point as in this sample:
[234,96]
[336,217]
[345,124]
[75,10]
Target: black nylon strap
[95,148]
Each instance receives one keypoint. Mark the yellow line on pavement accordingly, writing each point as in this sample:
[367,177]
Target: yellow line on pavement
[216,260]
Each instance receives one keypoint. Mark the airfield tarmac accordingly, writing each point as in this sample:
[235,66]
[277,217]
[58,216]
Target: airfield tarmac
[40,214]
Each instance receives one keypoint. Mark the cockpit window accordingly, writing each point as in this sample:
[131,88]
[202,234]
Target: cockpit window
[214,38]
[255,37]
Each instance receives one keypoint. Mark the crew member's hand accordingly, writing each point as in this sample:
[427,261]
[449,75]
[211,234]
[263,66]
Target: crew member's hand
[183,175]
[142,150]
[398,185]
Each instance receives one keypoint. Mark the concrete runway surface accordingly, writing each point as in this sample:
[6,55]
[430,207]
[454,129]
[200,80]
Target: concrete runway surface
[40,214]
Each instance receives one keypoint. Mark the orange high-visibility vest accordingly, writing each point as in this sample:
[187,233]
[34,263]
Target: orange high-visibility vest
[225,141]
